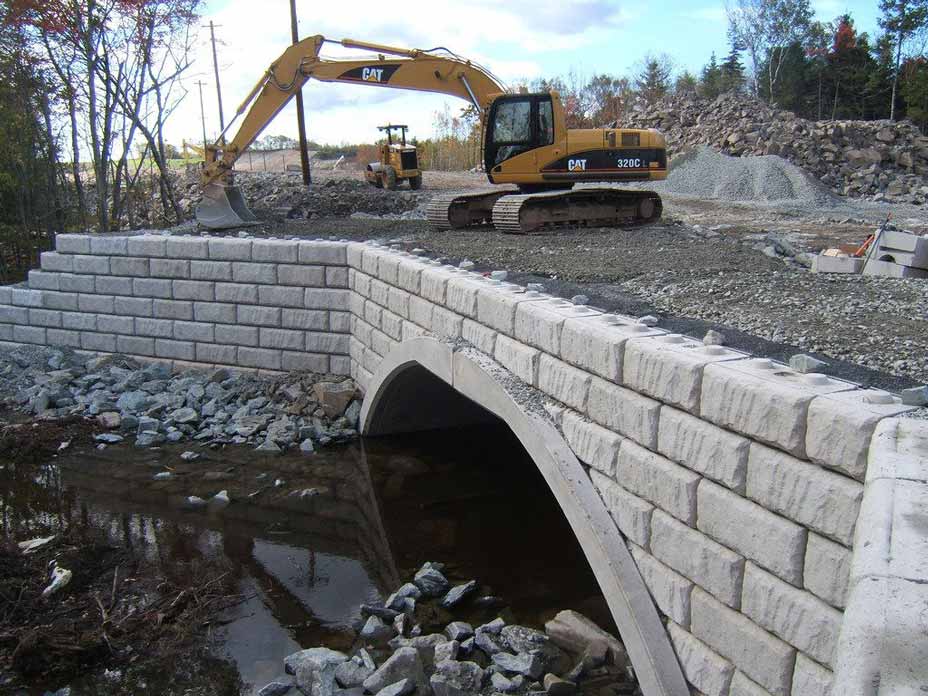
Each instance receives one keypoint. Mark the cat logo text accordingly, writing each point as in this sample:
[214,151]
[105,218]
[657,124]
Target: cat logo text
[372,74]
[576,165]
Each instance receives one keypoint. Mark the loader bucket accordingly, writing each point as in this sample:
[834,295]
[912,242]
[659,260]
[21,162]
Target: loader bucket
[223,207]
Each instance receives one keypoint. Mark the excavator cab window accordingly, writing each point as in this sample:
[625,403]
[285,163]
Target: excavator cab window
[517,124]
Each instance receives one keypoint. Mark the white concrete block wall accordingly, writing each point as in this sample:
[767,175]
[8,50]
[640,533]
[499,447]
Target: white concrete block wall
[736,482]
[261,304]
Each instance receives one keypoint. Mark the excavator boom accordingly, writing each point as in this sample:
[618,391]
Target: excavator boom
[398,68]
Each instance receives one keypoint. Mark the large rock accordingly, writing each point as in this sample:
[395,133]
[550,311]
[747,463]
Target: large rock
[275,689]
[424,645]
[456,678]
[520,639]
[133,401]
[458,594]
[459,630]
[447,651]
[334,397]
[574,632]
[400,688]
[526,664]
[431,582]
[315,670]
[352,673]
[404,663]
[375,630]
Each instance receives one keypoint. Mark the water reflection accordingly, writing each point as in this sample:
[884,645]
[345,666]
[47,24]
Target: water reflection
[309,539]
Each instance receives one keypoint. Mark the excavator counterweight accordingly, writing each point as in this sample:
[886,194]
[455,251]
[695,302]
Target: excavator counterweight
[526,142]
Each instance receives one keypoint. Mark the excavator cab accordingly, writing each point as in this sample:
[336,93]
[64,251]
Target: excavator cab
[517,124]
[398,161]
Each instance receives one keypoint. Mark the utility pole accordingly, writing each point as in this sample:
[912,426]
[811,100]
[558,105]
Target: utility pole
[200,84]
[300,119]
[212,38]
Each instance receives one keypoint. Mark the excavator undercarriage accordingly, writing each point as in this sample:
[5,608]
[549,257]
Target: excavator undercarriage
[527,213]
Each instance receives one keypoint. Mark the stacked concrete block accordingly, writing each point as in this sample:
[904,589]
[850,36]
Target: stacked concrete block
[262,304]
[763,400]
[899,255]
[670,368]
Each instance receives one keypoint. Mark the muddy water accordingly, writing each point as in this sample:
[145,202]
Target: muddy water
[309,539]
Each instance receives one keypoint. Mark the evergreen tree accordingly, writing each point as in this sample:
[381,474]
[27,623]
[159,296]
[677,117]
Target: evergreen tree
[710,84]
[732,71]
[914,89]
[653,80]
[686,84]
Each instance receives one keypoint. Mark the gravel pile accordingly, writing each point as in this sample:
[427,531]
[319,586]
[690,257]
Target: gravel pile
[150,406]
[706,173]
[411,644]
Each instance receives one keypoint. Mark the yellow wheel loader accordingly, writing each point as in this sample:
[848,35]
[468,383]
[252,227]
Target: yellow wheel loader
[399,162]
[526,142]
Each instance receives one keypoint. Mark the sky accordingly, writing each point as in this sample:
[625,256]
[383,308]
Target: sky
[516,39]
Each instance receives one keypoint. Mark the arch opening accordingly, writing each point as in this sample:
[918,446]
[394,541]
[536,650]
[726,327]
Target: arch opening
[422,377]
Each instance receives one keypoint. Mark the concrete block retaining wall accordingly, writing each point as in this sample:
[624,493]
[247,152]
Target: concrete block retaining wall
[258,304]
[737,483]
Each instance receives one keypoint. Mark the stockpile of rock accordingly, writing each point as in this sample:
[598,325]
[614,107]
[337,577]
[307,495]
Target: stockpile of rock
[394,655]
[283,193]
[879,160]
[152,406]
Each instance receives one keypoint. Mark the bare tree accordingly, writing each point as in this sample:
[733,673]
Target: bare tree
[766,29]
[155,44]
[118,64]
[902,19]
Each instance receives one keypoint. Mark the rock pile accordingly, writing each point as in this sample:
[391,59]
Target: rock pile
[394,655]
[880,160]
[152,406]
[284,194]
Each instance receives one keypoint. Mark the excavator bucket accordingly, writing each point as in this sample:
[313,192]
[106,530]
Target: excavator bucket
[223,207]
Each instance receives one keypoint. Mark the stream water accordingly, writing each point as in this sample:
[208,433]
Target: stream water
[310,538]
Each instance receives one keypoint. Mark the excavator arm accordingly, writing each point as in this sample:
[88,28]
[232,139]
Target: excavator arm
[435,70]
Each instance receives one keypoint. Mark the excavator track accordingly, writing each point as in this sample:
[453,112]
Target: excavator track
[456,210]
[590,207]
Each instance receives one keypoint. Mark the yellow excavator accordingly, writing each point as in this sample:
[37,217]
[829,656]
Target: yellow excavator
[526,142]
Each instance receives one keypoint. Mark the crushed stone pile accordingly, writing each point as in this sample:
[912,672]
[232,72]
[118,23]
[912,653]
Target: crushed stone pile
[876,160]
[150,405]
[706,173]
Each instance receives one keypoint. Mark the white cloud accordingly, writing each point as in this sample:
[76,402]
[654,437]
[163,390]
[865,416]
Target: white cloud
[508,38]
